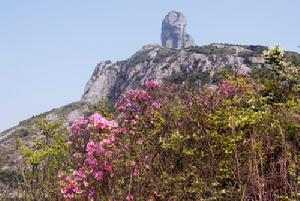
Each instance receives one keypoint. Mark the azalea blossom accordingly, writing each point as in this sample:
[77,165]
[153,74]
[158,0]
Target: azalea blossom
[130,197]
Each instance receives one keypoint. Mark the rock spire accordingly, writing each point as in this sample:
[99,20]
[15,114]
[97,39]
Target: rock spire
[173,34]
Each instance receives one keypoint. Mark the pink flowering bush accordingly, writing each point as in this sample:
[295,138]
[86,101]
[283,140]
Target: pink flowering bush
[138,102]
[94,144]
[98,143]
[185,142]
[238,86]
[172,143]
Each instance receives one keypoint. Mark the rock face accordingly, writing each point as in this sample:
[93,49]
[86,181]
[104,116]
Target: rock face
[173,34]
[110,80]
[98,87]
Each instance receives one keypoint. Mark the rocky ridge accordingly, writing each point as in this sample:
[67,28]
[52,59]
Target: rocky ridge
[109,80]
[153,61]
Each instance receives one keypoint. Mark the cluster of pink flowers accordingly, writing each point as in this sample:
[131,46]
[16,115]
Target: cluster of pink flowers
[229,88]
[156,105]
[94,121]
[150,84]
[96,143]
[133,100]
[100,151]
[242,72]
[237,87]
[98,121]
[78,126]
[94,156]
[72,183]
[130,197]
[136,102]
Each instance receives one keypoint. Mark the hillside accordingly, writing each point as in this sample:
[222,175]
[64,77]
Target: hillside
[170,62]
[199,64]
[109,79]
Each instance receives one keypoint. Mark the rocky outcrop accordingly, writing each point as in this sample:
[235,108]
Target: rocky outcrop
[173,34]
[110,80]
[101,82]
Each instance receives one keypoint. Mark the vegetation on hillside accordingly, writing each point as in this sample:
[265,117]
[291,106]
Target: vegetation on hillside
[240,141]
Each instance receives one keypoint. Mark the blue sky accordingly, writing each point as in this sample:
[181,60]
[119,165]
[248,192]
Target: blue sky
[48,49]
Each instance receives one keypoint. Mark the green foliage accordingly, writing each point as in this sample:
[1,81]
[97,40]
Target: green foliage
[139,57]
[191,77]
[292,57]
[286,76]
[10,177]
[163,53]
[102,107]
[241,147]
[211,49]
[43,160]
[256,51]
[22,132]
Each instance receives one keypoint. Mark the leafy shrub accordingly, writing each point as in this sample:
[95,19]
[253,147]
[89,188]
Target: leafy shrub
[211,49]
[42,162]
[10,177]
[139,57]
[292,57]
[163,53]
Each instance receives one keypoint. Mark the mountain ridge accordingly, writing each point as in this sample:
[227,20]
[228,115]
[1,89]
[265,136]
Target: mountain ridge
[156,62]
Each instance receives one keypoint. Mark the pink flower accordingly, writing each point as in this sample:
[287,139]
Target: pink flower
[136,173]
[85,183]
[107,166]
[80,173]
[140,141]
[180,123]
[109,140]
[63,190]
[242,72]
[77,127]
[121,109]
[77,190]
[126,146]
[91,161]
[98,175]
[77,155]
[156,105]
[96,120]
[90,147]
[128,104]
[133,163]
[133,122]
[119,131]
[150,84]
[228,88]
[130,197]
[98,152]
